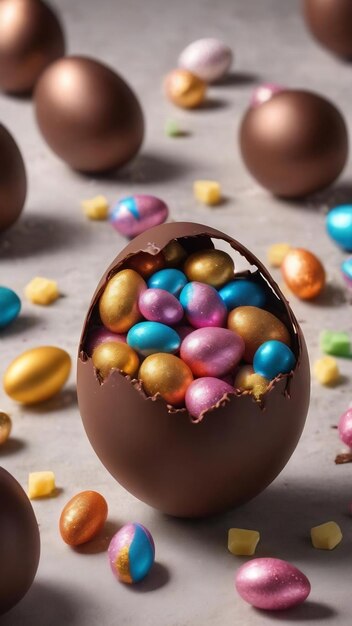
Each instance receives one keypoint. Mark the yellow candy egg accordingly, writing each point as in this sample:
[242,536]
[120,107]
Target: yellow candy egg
[37,374]
[5,427]
[166,375]
[115,355]
[256,326]
[213,267]
[247,380]
[185,89]
[118,305]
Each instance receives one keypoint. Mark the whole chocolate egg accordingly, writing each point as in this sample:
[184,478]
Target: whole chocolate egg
[330,22]
[30,39]
[13,181]
[183,467]
[19,542]
[88,115]
[295,143]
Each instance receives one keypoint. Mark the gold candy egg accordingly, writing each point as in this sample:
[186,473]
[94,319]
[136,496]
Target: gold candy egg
[118,305]
[146,264]
[5,427]
[213,267]
[303,273]
[83,517]
[174,254]
[255,327]
[166,375]
[185,89]
[115,355]
[247,380]
[37,374]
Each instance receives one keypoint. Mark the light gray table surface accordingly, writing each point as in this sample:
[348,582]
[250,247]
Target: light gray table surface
[193,581]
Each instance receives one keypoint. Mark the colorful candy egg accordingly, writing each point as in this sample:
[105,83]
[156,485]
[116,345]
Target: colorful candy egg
[131,553]
[271,584]
[205,394]
[101,335]
[303,273]
[203,305]
[209,59]
[10,306]
[339,226]
[166,375]
[151,337]
[146,264]
[83,517]
[213,267]
[247,380]
[172,280]
[256,326]
[184,89]
[118,305]
[345,427]
[174,254]
[264,92]
[346,269]
[114,355]
[212,351]
[273,358]
[242,292]
[158,305]
[135,214]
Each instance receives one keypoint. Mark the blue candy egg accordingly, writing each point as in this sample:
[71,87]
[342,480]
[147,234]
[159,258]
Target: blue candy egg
[242,292]
[151,337]
[346,268]
[131,553]
[171,280]
[339,225]
[273,358]
[10,306]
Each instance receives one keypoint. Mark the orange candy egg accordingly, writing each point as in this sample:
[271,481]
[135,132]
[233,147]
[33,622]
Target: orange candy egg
[83,517]
[303,273]
[184,89]
[146,264]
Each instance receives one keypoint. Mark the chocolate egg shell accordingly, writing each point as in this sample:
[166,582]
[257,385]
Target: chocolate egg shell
[19,542]
[13,181]
[330,22]
[158,453]
[294,144]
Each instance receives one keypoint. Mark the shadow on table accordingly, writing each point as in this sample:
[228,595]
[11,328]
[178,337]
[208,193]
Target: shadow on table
[60,402]
[340,193]
[237,79]
[307,612]
[11,446]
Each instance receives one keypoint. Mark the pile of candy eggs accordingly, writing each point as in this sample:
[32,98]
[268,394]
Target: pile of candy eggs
[190,329]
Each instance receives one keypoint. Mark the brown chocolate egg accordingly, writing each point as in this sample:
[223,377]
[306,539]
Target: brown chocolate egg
[13,181]
[31,38]
[88,115]
[256,326]
[156,451]
[303,273]
[295,143]
[19,542]
[330,22]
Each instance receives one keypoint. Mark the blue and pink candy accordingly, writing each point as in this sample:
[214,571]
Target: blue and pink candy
[158,305]
[153,337]
[273,358]
[346,269]
[134,214]
[204,394]
[242,292]
[131,553]
[212,351]
[203,305]
[171,280]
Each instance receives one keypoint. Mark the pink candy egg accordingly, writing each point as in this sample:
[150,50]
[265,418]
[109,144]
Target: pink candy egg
[101,335]
[204,394]
[203,305]
[158,305]
[264,92]
[345,428]
[133,215]
[271,584]
[212,351]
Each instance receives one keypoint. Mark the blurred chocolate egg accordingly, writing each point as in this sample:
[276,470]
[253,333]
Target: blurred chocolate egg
[13,180]
[19,542]
[295,143]
[330,22]
[31,38]
[158,452]
[88,115]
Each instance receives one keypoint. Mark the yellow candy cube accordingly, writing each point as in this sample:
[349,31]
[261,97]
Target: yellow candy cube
[276,253]
[42,291]
[242,542]
[326,370]
[41,484]
[95,208]
[326,536]
[207,191]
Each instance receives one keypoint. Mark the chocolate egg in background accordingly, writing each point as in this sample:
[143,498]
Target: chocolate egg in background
[31,38]
[157,453]
[88,114]
[19,542]
[330,22]
[294,144]
[13,181]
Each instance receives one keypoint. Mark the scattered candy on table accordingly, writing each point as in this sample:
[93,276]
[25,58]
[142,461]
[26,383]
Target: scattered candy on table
[326,370]
[206,393]
[42,291]
[207,191]
[209,59]
[131,553]
[184,89]
[326,536]
[41,484]
[112,355]
[336,343]
[5,427]
[339,226]
[345,427]
[264,92]
[83,517]
[276,253]
[303,273]
[96,208]
[132,215]
[10,306]
[242,542]
[173,129]
[273,358]
[346,269]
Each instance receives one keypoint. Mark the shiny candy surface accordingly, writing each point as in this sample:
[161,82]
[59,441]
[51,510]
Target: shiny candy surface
[146,264]
[172,280]
[209,59]
[330,22]
[273,358]
[166,375]
[115,355]
[37,374]
[151,337]
[83,517]
[213,267]
[5,427]
[203,305]
[212,351]
[247,380]
[101,335]
[345,427]
[13,180]
[158,305]
[135,214]
[204,394]
[256,326]
[303,273]
[174,253]
[10,306]
[242,292]
[131,553]
[264,92]
[346,269]
[339,226]
[118,305]
[184,89]
[271,584]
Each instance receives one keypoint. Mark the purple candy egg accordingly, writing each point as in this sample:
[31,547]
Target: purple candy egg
[101,335]
[345,428]
[264,92]
[204,394]
[212,351]
[158,305]
[135,214]
[202,305]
